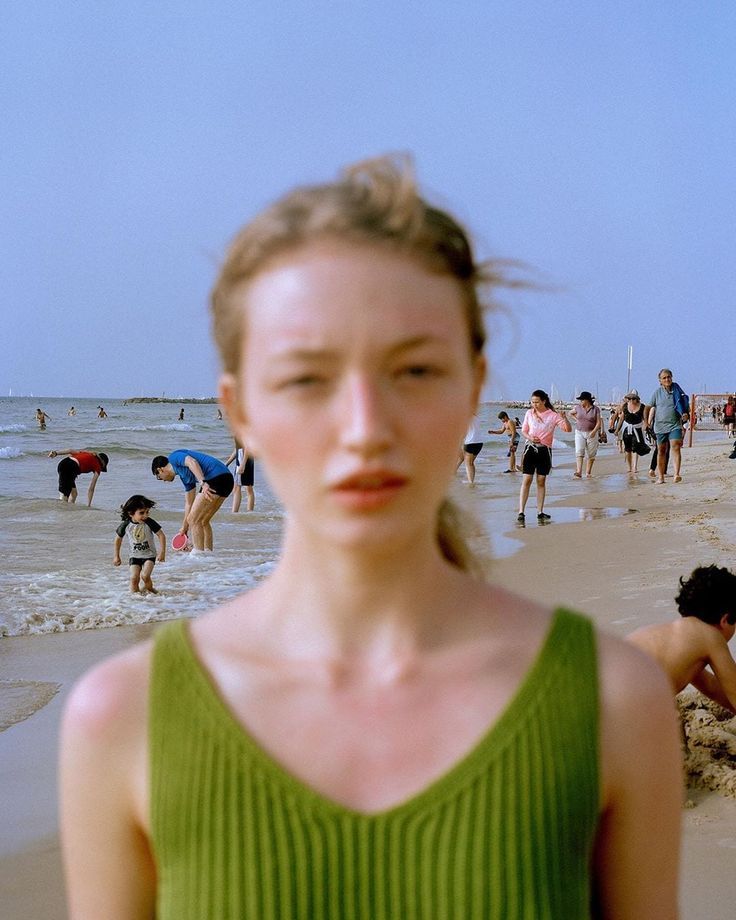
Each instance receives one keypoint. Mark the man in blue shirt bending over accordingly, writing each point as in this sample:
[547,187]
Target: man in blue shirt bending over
[215,482]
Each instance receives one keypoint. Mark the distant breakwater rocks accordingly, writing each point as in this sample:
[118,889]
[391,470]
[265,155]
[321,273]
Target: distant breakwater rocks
[186,400]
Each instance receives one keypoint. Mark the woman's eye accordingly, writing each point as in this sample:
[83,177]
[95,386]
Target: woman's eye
[419,370]
[302,381]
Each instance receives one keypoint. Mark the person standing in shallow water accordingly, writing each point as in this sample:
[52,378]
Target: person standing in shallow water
[207,483]
[350,327]
[244,477]
[509,427]
[538,428]
[74,463]
[472,446]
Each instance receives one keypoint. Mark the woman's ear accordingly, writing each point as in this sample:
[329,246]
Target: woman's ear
[229,397]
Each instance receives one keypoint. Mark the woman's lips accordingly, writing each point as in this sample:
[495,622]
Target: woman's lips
[366,491]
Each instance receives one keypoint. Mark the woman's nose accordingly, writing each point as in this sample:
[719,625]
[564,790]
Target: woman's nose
[365,422]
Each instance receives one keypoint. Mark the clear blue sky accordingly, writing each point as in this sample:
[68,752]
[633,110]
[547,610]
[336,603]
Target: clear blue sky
[593,141]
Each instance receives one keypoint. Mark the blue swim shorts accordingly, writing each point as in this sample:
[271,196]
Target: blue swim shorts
[675,434]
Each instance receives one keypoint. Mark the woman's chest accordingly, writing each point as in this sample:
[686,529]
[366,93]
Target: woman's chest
[370,748]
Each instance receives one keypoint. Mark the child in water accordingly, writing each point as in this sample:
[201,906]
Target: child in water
[140,529]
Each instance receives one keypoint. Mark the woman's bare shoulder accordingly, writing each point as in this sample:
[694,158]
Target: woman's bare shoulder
[515,606]
[111,698]
[638,715]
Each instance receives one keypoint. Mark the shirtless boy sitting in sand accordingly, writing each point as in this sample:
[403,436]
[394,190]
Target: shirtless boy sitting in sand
[683,648]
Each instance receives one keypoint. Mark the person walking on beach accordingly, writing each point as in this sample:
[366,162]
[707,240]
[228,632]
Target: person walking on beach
[372,730]
[538,428]
[244,477]
[587,427]
[74,463]
[41,418]
[508,426]
[472,446]
[687,647]
[615,424]
[632,413]
[141,529]
[729,415]
[669,411]
[215,483]
[654,462]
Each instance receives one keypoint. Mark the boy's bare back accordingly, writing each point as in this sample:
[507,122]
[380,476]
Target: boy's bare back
[694,650]
[683,649]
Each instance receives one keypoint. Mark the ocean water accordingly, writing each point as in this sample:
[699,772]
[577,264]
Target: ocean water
[56,569]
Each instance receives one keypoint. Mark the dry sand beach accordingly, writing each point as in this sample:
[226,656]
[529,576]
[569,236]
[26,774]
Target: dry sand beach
[621,568]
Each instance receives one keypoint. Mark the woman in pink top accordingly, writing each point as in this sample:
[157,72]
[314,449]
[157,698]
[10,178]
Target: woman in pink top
[538,428]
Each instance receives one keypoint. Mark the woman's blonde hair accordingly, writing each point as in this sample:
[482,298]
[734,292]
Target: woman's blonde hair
[373,202]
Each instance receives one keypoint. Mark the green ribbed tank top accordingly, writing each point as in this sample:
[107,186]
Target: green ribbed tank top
[505,834]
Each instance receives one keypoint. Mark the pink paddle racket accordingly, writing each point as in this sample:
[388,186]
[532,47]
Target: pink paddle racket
[179,541]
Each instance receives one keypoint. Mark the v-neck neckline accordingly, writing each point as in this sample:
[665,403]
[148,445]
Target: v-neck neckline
[487,747]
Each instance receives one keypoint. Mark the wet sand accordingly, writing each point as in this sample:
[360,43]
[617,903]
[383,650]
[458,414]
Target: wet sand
[622,570]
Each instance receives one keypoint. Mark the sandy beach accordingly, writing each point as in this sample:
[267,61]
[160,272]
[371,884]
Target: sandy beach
[614,549]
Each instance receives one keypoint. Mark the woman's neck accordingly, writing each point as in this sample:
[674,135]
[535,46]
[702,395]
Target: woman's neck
[339,604]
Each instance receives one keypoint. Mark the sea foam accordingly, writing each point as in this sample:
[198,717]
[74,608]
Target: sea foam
[59,602]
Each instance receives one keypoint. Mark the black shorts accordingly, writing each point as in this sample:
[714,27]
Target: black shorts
[536,459]
[246,477]
[68,471]
[221,485]
[473,449]
[140,560]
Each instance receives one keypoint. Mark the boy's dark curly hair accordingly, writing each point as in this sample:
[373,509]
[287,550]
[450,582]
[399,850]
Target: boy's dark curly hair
[135,503]
[707,594]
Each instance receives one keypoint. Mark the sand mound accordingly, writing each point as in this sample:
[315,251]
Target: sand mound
[710,758]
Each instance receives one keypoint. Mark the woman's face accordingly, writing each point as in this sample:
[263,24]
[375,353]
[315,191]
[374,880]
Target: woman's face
[537,404]
[356,388]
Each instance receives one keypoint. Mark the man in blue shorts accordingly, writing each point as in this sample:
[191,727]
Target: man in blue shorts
[215,481]
[669,410]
